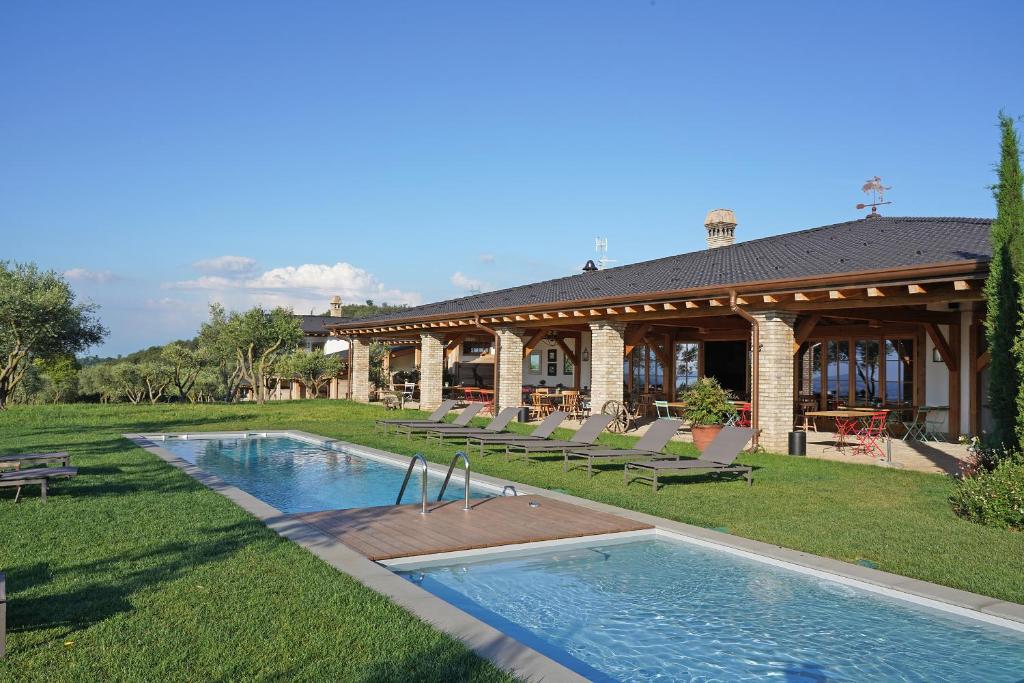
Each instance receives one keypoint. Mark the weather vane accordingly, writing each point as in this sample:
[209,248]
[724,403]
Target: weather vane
[877,190]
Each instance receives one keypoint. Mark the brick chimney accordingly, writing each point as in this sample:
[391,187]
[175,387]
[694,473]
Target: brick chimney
[335,306]
[721,226]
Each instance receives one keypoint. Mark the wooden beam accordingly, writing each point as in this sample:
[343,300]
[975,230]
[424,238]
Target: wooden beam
[692,304]
[982,361]
[875,292]
[568,353]
[669,307]
[661,353]
[896,314]
[954,384]
[635,336]
[916,289]
[962,285]
[800,296]
[532,342]
[804,329]
[943,346]
[835,294]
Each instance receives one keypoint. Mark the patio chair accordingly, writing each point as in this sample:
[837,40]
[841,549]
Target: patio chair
[585,436]
[40,476]
[934,425]
[461,420]
[571,403]
[59,458]
[718,456]
[497,425]
[540,432]
[651,445]
[435,417]
[870,435]
[539,408]
[662,410]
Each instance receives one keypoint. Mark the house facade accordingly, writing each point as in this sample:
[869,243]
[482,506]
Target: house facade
[879,311]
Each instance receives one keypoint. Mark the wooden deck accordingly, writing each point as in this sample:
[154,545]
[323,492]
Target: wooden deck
[384,533]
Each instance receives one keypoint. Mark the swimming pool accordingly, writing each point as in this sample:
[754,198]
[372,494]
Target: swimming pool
[669,610]
[298,476]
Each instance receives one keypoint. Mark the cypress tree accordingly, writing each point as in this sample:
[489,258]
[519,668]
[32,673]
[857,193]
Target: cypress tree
[1004,324]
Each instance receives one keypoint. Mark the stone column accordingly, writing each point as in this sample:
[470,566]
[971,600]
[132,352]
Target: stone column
[359,369]
[607,349]
[431,370]
[509,392]
[775,379]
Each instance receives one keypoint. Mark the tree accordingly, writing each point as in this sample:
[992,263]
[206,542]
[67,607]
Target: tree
[156,376]
[312,368]
[39,318]
[218,348]
[128,381]
[60,377]
[1003,324]
[259,338]
[378,374]
[98,380]
[185,364]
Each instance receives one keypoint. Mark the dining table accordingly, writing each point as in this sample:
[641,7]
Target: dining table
[847,420]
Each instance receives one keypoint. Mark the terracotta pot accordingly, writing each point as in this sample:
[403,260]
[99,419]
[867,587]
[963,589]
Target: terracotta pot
[704,434]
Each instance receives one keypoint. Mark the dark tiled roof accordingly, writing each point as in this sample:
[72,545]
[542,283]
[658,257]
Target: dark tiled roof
[855,246]
[317,324]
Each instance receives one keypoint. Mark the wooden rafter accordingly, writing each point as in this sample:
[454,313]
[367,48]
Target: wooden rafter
[532,342]
[570,354]
[942,345]
[804,329]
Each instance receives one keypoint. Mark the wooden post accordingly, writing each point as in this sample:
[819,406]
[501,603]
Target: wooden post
[954,383]
[973,397]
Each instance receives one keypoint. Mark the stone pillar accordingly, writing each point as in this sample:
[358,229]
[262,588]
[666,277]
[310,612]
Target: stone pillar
[431,370]
[607,349]
[509,392]
[359,369]
[775,379]
[332,390]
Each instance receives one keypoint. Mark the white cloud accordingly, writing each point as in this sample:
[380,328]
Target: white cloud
[99,277]
[305,287]
[487,258]
[226,264]
[467,283]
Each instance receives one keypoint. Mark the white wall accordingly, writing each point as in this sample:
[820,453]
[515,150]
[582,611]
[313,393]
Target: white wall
[937,376]
[561,378]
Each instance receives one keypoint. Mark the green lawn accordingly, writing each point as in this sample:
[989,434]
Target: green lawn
[133,570]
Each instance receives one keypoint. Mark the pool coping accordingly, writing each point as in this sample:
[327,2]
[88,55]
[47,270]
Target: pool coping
[485,640]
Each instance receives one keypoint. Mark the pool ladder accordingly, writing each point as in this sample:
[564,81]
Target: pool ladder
[418,458]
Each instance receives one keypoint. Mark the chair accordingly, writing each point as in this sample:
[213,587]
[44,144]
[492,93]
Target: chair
[36,475]
[408,389]
[718,456]
[435,417]
[915,426]
[870,435]
[461,420]
[539,408]
[542,431]
[662,410]
[497,425]
[650,445]
[934,425]
[571,403]
[585,436]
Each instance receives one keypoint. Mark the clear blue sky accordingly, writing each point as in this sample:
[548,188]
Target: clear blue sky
[407,151]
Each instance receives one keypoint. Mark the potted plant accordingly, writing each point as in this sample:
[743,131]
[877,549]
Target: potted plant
[708,407]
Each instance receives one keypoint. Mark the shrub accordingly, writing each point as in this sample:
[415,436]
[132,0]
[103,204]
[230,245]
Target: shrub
[707,403]
[994,498]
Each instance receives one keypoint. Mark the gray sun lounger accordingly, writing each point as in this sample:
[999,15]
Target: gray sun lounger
[37,475]
[496,426]
[650,445]
[719,456]
[539,433]
[435,417]
[461,420]
[60,458]
[583,438]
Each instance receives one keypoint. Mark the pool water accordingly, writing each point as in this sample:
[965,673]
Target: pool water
[296,476]
[665,610]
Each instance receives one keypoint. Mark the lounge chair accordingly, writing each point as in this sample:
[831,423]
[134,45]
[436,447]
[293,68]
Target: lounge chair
[718,456]
[584,437]
[461,420]
[435,417]
[36,475]
[650,445]
[496,426]
[539,433]
[60,458]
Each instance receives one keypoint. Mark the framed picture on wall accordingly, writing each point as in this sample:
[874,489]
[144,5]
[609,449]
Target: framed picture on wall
[552,369]
[533,363]
[566,365]
[552,356]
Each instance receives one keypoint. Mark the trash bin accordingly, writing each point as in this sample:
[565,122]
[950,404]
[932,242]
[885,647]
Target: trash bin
[524,414]
[798,443]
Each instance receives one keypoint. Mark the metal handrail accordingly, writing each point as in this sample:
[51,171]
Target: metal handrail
[405,482]
[451,468]
[509,487]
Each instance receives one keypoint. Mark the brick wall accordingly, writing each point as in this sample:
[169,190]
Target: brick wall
[775,383]
[509,392]
[431,370]
[359,370]
[607,348]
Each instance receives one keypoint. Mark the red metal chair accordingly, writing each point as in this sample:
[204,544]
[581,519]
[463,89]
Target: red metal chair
[870,435]
[744,417]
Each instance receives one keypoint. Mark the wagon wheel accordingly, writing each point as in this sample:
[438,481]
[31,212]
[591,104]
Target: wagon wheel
[621,419]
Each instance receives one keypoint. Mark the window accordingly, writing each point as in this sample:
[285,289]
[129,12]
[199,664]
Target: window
[476,348]
[866,364]
[838,373]
[899,371]
[686,365]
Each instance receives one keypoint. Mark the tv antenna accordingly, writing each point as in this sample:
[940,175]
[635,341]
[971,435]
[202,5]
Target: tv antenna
[877,190]
[601,247]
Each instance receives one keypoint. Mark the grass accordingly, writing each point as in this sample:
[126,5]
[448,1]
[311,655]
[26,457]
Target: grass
[144,572]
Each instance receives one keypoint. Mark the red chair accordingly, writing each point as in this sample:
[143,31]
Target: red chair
[744,417]
[870,435]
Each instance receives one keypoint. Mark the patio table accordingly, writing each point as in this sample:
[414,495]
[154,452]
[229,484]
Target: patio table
[847,422]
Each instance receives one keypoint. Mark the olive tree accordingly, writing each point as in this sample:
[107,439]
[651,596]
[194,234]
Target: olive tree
[260,338]
[184,364]
[40,318]
[312,368]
